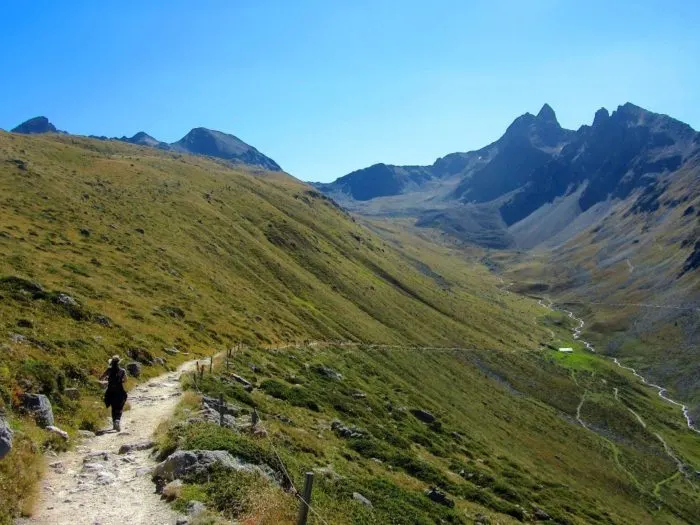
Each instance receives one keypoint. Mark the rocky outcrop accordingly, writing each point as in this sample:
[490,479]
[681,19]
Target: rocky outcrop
[440,497]
[423,415]
[5,438]
[134,369]
[196,464]
[40,407]
[347,432]
[35,126]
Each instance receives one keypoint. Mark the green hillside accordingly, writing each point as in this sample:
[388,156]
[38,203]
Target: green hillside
[158,250]
[508,444]
[114,248]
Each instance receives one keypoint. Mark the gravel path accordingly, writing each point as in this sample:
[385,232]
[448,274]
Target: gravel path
[94,484]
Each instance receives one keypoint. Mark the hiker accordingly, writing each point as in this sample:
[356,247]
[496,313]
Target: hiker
[115,395]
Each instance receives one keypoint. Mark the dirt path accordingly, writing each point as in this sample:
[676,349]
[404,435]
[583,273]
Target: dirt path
[94,484]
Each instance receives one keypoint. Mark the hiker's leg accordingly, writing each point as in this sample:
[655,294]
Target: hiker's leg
[117,415]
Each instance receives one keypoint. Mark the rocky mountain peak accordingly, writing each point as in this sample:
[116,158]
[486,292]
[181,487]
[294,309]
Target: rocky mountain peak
[35,125]
[601,116]
[203,141]
[547,114]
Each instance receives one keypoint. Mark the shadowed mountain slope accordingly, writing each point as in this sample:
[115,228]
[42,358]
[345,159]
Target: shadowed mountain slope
[34,126]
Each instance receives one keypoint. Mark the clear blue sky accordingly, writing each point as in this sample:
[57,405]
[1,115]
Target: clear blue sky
[325,87]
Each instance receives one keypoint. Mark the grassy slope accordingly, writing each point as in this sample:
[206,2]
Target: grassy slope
[187,252]
[184,251]
[518,441]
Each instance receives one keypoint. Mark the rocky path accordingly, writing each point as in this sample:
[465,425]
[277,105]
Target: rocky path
[95,484]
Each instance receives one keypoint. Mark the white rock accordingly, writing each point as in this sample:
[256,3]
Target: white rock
[57,431]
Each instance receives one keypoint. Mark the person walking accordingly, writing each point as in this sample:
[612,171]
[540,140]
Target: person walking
[115,395]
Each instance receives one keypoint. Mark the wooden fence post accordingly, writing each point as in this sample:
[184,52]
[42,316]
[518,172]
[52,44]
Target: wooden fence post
[211,362]
[305,502]
[221,410]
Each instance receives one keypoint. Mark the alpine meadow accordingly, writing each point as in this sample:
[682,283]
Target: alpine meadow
[333,263]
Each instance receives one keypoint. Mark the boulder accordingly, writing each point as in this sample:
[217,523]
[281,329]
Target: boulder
[212,405]
[17,338]
[195,508]
[359,497]
[171,350]
[197,464]
[423,415]
[5,438]
[327,372]
[66,300]
[347,432]
[104,321]
[134,369]
[440,497]
[539,514]
[40,406]
[142,445]
[159,361]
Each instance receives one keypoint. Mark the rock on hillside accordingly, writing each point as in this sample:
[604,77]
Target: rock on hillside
[35,125]
[5,438]
[203,141]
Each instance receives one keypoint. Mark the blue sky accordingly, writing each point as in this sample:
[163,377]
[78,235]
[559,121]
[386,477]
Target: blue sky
[325,87]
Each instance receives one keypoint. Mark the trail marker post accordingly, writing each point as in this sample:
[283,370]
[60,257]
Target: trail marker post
[305,499]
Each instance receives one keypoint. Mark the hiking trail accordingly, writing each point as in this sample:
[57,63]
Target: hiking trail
[94,484]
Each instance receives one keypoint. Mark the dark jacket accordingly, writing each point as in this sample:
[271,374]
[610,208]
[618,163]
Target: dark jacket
[115,393]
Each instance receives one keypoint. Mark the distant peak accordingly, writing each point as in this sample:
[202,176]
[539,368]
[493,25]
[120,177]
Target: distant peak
[601,116]
[547,114]
[630,109]
[35,125]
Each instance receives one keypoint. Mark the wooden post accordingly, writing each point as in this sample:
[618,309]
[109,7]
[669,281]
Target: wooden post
[194,380]
[254,418]
[305,499]
[211,362]
[221,410]
[201,371]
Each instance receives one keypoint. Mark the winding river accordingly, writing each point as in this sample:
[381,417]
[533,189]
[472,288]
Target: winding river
[663,393]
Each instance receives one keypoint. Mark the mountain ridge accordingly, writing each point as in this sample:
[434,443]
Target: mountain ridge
[532,164]
[198,141]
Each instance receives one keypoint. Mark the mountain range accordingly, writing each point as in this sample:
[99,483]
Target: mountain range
[565,179]
[199,141]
